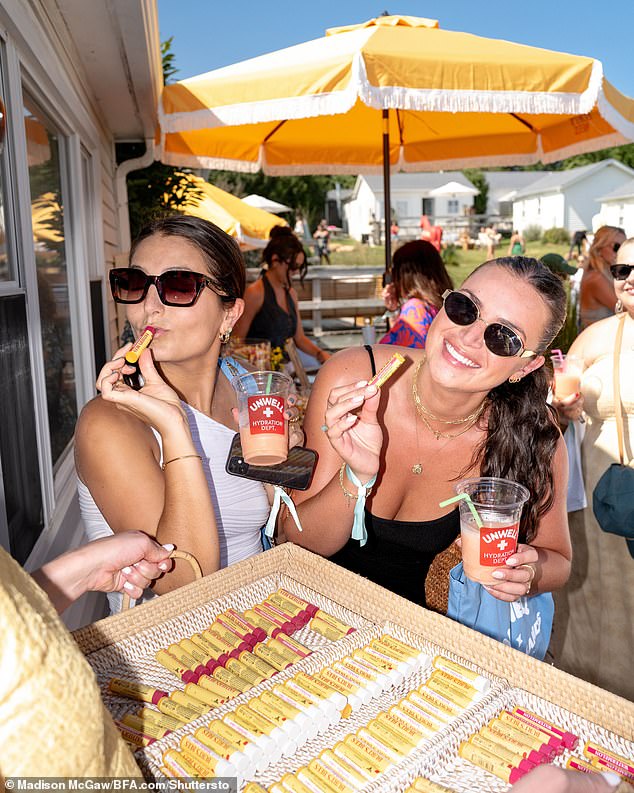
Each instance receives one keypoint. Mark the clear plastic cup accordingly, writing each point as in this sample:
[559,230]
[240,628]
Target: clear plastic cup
[262,400]
[568,370]
[499,504]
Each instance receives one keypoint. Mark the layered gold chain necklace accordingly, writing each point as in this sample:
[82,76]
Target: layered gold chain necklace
[423,413]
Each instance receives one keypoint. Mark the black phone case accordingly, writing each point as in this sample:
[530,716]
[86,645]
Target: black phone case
[295,473]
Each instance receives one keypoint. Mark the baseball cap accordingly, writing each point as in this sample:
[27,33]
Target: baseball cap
[557,264]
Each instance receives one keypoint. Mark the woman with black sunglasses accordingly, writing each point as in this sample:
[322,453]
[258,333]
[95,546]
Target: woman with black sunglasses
[472,403]
[594,637]
[154,459]
[596,298]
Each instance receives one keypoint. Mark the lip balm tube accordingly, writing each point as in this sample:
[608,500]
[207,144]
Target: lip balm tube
[137,691]
[135,379]
[181,698]
[230,636]
[305,604]
[177,711]
[327,777]
[453,682]
[331,712]
[289,607]
[388,370]
[257,665]
[383,681]
[363,681]
[309,727]
[282,616]
[180,766]
[283,739]
[347,772]
[200,694]
[243,671]
[508,741]
[150,716]
[314,685]
[387,645]
[616,762]
[420,727]
[326,616]
[271,713]
[238,618]
[237,741]
[511,733]
[289,615]
[478,681]
[143,726]
[238,627]
[360,763]
[570,739]
[581,765]
[269,627]
[325,629]
[385,741]
[603,765]
[174,666]
[532,729]
[201,656]
[422,785]
[225,676]
[322,717]
[218,647]
[422,709]
[213,649]
[449,692]
[292,645]
[223,750]
[407,709]
[376,758]
[355,694]
[424,696]
[489,762]
[271,657]
[224,640]
[290,655]
[509,756]
[292,784]
[253,787]
[134,737]
[271,750]
[382,665]
[197,752]
[404,667]
[218,687]
[187,660]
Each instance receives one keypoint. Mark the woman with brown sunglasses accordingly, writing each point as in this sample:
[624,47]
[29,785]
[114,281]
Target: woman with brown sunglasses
[153,459]
[472,403]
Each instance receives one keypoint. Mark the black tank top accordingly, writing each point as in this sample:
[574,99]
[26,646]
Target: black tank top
[398,553]
[272,322]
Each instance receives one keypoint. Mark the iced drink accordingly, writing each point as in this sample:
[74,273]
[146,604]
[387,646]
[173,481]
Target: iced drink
[261,405]
[498,503]
[567,375]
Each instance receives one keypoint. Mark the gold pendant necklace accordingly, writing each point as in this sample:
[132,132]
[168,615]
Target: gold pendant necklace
[421,410]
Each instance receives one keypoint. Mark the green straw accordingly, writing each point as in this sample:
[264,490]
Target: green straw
[268,384]
[466,497]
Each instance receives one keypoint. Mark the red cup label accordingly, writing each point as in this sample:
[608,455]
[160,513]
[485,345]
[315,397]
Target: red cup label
[266,414]
[497,544]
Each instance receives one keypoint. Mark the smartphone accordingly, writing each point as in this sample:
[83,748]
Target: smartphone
[296,472]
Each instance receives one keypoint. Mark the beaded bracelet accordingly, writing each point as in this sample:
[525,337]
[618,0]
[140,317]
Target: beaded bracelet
[182,457]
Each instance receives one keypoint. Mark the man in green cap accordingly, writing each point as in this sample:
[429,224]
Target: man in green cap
[558,265]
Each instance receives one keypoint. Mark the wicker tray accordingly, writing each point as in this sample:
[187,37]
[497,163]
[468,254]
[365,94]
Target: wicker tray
[124,645]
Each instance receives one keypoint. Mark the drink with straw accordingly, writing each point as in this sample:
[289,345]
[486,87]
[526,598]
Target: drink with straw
[490,511]
[567,370]
[261,406]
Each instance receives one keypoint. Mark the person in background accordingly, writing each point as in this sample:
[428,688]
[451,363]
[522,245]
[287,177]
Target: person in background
[419,279]
[473,403]
[517,246]
[597,290]
[270,303]
[600,593]
[578,241]
[322,241]
[154,459]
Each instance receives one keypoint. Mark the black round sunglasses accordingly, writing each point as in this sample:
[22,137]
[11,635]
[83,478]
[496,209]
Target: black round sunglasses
[499,339]
[175,287]
[621,272]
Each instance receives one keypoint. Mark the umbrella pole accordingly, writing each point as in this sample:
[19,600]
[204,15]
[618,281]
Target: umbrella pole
[386,189]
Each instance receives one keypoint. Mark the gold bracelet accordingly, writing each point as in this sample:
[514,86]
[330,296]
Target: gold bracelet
[347,493]
[183,457]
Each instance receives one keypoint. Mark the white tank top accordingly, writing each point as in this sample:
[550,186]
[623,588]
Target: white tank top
[241,505]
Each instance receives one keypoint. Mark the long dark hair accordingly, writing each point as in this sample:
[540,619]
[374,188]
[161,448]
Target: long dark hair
[419,271]
[221,252]
[522,428]
[286,246]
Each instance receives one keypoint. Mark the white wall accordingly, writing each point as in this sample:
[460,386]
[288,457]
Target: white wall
[619,213]
[583,194]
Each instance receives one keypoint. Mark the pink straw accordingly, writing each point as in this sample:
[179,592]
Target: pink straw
[558,354]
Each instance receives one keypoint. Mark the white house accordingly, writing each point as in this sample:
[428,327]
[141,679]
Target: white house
[568,199]
[617,209]
[80,84]
[504,187]
[410,198]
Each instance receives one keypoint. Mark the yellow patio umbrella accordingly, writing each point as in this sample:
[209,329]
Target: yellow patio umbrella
[395,93]
[250,226]
[46,218]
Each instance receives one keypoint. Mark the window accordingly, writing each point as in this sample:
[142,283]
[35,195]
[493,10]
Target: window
[45,159]
[453,206]
[428,206]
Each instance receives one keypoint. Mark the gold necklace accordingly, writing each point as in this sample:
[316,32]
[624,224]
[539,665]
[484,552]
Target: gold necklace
[472,418]
[422,409]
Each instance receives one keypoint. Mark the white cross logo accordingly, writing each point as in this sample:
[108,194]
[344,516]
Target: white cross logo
[268,412]
[502,544]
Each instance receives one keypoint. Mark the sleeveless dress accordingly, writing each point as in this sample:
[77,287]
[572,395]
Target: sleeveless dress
[594,618]
[241,506]
[272,322]
[411,326]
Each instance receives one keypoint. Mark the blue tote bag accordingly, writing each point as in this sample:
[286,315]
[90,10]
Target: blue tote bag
[525,624]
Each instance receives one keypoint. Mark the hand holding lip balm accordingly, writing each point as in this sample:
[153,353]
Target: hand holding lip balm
[135,379]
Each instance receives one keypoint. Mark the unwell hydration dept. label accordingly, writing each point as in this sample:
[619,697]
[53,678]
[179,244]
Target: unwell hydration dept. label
[497,544]
[266,414]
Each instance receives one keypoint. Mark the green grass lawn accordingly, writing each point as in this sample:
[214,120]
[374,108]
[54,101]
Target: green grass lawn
[364,255]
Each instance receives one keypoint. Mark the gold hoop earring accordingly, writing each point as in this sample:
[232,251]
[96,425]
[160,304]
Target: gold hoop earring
[515,378]
[618,307]
[225,336]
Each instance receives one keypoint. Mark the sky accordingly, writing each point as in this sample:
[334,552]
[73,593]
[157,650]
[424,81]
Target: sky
[213,33]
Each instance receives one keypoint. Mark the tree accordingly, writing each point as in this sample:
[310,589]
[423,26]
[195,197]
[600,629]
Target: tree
[478,179]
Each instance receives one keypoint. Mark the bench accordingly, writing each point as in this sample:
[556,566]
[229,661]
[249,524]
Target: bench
[360,306]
